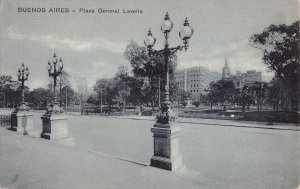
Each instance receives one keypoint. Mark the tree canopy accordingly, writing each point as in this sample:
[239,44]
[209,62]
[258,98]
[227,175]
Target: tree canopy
[150,69]
[40,97]
[222,91]
[280,46]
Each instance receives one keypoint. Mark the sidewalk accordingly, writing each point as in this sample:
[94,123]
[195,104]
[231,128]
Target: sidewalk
[27,162]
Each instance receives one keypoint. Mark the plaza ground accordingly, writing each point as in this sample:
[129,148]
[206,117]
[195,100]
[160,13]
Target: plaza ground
[114,152]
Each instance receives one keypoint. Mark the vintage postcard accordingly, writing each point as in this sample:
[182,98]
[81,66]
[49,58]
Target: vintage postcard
[149,94]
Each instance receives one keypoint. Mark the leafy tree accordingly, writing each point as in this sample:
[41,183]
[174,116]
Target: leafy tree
[182,95]
[11,91]
[140,88]
[93,99]
[122,90]
[196,103]
[244,97]
[117,89]
[280,46]
[63,81]
[81,85]
[68,96]
[184,103]
[40,97]
[211,97]
[122,93]
[4,79]
[11,96]
[222,91]
[152,68]
[277,95]
[259,91]
[105,89]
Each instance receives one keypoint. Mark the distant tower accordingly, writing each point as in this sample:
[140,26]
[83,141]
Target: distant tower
[226,71]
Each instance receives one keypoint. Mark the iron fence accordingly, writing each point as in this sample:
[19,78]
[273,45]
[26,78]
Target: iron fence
[5,120]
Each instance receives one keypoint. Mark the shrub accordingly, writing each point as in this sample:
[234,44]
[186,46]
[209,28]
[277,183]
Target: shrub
[184,103]
[196,103]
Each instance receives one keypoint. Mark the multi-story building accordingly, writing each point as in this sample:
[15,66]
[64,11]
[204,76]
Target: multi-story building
[195,79]
[240,79]
[251,76]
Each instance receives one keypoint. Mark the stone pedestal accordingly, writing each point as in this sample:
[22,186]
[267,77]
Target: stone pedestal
[166,147]
[55,126]
[22,121]
[13,119]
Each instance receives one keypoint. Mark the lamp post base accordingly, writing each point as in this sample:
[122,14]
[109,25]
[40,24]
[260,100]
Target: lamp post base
[166,147]
[167,163]
[21,121]
[55,126]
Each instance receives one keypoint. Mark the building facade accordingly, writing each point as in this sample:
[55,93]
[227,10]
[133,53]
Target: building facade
[240,79]
[195,79]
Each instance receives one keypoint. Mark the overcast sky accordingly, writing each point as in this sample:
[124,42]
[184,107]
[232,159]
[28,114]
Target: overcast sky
[92,45]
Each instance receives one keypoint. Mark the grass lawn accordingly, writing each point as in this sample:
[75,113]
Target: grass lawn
[263,116]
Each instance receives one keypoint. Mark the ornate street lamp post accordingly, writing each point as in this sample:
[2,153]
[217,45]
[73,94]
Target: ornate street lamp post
[55,122]
[21,119]
[166,131]
[185,34]
[55,69]
[23,73]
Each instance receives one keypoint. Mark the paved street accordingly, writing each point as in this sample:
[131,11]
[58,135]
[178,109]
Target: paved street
[215,156]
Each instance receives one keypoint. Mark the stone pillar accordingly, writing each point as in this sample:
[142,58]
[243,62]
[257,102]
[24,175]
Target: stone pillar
[166,147]
[13,119]
[55,126]
[22,121]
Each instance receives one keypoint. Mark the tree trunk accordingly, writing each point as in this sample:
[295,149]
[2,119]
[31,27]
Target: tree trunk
[258,103]
[124,108]
[152,104]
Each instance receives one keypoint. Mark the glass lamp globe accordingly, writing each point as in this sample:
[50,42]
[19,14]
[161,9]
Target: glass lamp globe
[27,71]
[187,31]
[60,63]
[19,72]
[150,40]
[167,25]
[22,67]
[49,67]
[54,59]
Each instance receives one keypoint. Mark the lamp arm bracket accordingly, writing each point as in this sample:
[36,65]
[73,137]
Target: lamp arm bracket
[175,49]
[171,51]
